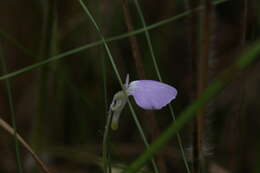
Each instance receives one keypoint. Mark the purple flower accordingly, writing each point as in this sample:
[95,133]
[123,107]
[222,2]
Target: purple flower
[148,94]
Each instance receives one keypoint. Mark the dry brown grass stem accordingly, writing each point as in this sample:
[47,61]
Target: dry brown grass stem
[11,131]
[202,83]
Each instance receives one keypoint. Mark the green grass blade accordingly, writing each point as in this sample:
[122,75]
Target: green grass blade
[188,114]
[120,81]
[11,105]
[106,154]
[97,43]
[148,39]
[106,164]
[150,46]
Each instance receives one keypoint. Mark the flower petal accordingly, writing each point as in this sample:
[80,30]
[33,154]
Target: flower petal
[150,94]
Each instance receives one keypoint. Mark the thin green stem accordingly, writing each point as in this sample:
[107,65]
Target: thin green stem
[150,121]
[38,137]
[179,140]
[119,79]
[12,110]
[100,42]
[188,114]
[148,38]
[105,142]
[106,155]
[150,46]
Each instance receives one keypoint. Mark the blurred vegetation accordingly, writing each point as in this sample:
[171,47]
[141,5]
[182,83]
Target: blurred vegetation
[61,107]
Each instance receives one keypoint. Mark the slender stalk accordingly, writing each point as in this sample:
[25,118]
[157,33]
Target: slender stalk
[106,154]
[191,29]
[193,39]
[12,109]
[100,42]
[119,79]
[105,143]
[10,130]
[39,137]
[147,35]
[133,41]
[188,114]
[149,118]
[202,83]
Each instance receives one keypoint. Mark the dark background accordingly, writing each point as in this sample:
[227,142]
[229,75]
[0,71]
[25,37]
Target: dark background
[61,107]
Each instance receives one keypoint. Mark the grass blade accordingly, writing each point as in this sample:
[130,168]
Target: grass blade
[119,79]
[100,42]
[150,46]
[188,114]
[11,105]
